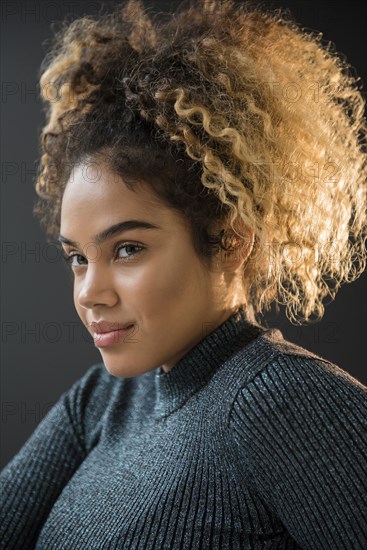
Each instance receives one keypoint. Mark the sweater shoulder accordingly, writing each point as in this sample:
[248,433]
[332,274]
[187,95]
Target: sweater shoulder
[290,401]
[88,400]
[289,356]
[284,375]
[284,364]
[296,425]
[274,341]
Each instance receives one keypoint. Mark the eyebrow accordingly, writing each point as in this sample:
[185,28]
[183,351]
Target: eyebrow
[113,230]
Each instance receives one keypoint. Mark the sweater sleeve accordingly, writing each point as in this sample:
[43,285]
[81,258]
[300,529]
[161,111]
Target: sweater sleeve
[32,481]
[300,429]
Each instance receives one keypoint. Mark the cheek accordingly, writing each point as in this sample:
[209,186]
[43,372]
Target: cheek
[170,278]
[154,284]
[180,278]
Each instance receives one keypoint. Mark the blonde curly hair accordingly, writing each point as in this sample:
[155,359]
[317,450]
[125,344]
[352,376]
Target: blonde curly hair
[239,115]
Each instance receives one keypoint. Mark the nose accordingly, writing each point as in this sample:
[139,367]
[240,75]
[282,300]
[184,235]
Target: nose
[96,288]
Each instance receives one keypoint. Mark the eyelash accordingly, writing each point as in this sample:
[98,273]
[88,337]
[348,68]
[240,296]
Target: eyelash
[69,257]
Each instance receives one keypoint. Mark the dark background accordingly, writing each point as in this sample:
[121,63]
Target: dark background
[44,346]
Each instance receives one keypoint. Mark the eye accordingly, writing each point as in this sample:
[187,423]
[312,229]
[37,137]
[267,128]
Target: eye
[69,258]
[138,249]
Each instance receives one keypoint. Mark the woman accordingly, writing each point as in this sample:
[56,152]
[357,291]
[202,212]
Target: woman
[195,170]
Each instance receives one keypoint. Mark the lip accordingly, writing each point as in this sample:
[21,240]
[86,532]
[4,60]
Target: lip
[106,333]
[104,339]
[102,327]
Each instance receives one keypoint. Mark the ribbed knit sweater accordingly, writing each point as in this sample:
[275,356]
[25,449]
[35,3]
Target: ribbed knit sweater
[249,442]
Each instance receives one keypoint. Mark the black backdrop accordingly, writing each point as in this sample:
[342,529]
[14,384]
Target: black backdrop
[44,348]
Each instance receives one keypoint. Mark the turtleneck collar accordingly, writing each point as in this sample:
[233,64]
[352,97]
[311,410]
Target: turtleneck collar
[197,366]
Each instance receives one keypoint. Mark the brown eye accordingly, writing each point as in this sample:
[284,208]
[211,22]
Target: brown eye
[128,246]
[69,259]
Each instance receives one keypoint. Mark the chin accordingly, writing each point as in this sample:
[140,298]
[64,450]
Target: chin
[118,369]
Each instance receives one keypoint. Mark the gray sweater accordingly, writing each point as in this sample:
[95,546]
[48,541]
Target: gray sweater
[249,442]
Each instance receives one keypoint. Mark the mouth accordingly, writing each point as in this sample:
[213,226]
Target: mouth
[103,327]
[113,330]
[111,337]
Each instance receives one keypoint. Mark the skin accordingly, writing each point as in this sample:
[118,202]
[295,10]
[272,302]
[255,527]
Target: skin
[173,300]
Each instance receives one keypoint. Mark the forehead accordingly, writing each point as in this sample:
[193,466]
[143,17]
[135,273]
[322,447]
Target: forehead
[95,196]
[91,181]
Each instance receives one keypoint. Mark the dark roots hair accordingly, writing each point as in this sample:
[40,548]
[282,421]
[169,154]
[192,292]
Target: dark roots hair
[229,113]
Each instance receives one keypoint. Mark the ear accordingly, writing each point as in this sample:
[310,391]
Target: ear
[239,245]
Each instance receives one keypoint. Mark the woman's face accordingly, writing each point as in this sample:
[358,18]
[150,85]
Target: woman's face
[151,278]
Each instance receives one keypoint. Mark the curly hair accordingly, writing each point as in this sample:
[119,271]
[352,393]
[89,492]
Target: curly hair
[229,112]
